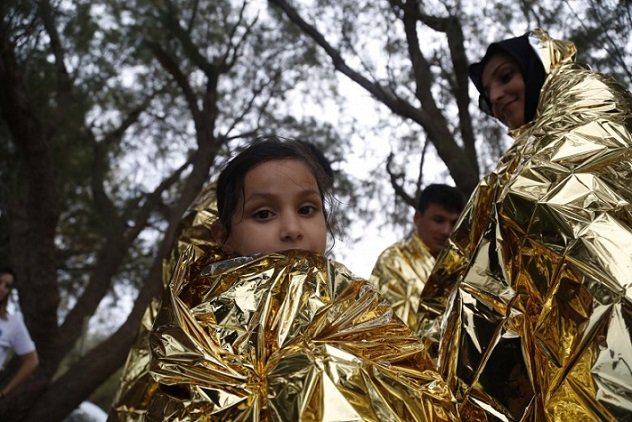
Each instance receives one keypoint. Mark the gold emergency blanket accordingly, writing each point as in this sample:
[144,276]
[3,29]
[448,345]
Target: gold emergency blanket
[288,336]
[137,388]
[400,274]
[536,283]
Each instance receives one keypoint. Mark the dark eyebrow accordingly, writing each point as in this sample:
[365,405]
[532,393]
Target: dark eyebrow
[495,72]
[310,192]
[266,195]
[262,195]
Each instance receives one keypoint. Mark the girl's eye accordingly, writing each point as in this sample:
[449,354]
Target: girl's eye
[506,76]
[262,215]
[307,210]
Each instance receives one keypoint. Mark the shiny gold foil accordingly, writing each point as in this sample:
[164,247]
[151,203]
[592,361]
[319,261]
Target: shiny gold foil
[285,336]
[532,298]
[138,389]
[289,336]
[400,274]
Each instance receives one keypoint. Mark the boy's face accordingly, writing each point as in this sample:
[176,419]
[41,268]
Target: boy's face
[281,210]
[434,226]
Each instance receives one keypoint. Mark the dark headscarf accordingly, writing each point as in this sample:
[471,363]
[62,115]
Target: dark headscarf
[521,51]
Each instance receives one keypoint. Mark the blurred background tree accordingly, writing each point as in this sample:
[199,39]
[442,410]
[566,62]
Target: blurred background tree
[113,118]
[115,114]
[412,56]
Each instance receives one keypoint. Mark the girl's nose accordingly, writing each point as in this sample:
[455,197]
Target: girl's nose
[291,228]
[495,93]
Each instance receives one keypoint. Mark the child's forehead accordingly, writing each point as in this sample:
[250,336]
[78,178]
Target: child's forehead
[497,62]
[289,165]
[280,174]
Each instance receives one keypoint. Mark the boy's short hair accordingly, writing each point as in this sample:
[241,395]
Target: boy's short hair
[447,196]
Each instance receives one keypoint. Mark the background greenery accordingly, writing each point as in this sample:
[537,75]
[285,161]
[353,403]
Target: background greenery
[114,114]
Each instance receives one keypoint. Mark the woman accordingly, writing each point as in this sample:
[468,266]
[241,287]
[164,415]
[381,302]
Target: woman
[536,282]
[509,77]
[14,337]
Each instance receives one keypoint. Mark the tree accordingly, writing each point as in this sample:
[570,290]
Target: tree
[412,57]
[113,118]
[461,160]
[115,114]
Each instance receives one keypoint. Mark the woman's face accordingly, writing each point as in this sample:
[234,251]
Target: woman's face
[504,86]
[6,281]
[281,209]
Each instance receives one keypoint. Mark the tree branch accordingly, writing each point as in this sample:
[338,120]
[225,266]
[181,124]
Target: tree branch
[249,105]
[456,44]
[170,65]
[170,18]
[231,54]
[397,187]
[429,116]
[385,96]
[109,261]
[64,82]
[34,211]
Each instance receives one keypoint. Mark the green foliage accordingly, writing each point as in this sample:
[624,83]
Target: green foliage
[126,93]
[133,90]
[371,38]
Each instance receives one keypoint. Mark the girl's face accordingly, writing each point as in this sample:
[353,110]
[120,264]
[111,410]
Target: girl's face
[504,86]
[281,209]
[6,281]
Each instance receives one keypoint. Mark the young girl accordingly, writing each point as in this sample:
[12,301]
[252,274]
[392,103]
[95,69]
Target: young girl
[259,325]
[271,198]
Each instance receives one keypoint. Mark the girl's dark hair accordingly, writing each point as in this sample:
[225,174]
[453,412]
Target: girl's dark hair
[520,50]
[230,184]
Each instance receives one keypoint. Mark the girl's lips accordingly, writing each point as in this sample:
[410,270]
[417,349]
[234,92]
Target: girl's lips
[501,109]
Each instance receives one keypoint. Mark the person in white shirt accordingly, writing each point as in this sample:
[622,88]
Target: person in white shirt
[14,337]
